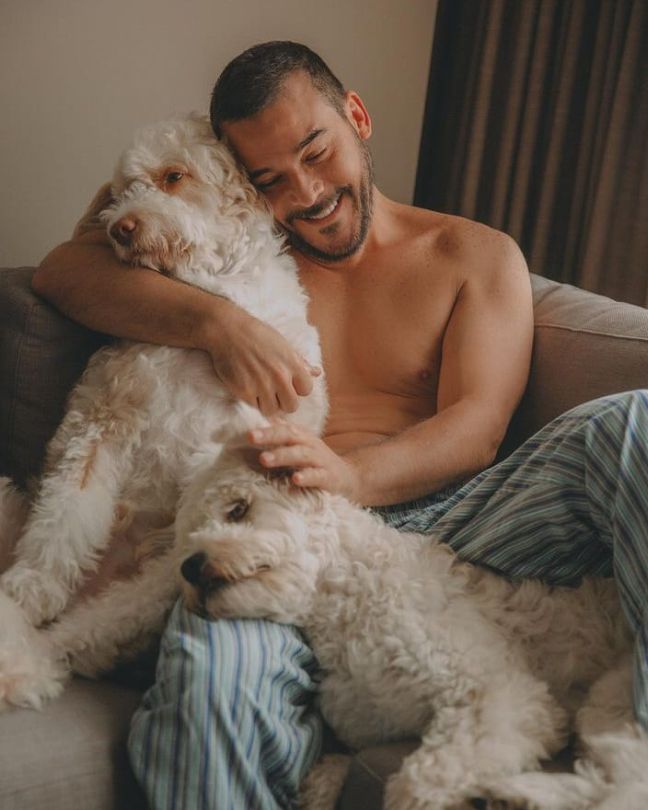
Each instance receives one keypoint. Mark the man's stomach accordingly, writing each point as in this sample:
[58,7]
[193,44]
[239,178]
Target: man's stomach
[356,420]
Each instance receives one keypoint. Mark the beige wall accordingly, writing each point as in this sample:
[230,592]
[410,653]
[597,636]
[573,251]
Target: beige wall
[78,76]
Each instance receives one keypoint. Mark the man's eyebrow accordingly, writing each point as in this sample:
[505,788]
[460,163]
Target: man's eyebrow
[308,139]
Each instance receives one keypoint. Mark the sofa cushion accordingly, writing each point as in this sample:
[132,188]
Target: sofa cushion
[71,754]
[42,354]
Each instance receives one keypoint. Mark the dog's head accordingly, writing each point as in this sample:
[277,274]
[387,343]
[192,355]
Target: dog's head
[180,200]
[247,541]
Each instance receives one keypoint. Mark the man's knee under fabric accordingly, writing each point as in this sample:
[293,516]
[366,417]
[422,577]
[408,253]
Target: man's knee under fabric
[571,501]
[229,721]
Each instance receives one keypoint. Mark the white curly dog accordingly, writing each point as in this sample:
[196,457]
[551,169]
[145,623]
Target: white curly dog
[143,417]
[492,676]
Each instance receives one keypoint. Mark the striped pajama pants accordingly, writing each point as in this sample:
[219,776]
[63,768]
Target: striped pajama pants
[230,722]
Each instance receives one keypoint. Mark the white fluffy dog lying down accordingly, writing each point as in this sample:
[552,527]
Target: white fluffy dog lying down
[492,676]
[143,417]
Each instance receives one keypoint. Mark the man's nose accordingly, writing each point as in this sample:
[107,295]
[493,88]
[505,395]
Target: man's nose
[305,189]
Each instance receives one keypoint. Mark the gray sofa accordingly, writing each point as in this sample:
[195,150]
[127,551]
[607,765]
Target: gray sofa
[72,754]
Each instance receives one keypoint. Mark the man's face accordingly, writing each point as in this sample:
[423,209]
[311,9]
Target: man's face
[313,166]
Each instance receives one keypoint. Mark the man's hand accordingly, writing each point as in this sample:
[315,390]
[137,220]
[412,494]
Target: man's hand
[314,464]
[257,364]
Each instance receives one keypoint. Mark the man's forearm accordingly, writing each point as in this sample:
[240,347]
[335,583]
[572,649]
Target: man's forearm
[254,362]
[451,446]
[90,285]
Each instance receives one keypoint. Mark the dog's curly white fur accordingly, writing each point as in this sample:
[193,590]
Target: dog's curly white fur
[144,417]
[412,642]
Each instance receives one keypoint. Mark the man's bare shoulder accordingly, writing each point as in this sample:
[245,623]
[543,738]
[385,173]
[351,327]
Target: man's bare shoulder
[472,251]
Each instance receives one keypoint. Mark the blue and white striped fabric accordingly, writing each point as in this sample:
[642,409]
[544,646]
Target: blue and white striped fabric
[229,724]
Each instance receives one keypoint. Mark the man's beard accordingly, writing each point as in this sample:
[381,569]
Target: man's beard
[362,204]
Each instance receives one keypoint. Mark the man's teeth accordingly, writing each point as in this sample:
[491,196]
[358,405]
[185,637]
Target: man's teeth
[328,210]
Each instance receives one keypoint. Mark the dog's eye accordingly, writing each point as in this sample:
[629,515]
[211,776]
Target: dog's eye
[173,177]
[237,511]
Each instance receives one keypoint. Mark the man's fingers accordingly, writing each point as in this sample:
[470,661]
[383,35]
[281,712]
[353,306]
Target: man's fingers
[302,382]
[267,404]
[309,477]
[294,456]
[280,433]
[287,400]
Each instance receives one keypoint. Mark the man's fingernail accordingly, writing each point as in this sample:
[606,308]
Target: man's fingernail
[257,435]
[267,458]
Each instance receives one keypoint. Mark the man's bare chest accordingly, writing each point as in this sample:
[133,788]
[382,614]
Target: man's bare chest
[382,331]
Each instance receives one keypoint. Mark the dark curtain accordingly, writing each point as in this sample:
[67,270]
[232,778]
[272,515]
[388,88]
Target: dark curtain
[537,124]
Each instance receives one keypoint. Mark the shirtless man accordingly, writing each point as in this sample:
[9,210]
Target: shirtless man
[426,327]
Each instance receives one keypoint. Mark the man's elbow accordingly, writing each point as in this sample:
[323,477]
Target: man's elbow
[494,435]
[47,275]
[40,281]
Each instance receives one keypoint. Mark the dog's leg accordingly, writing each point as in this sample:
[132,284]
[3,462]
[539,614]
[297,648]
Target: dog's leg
[14,507]
[118,622]
[613,744]
[323,785]
[545,791]
[499,728]
[611,772]
[72,515]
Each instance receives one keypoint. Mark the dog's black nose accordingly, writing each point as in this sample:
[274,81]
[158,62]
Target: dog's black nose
[122,231]
[192,567]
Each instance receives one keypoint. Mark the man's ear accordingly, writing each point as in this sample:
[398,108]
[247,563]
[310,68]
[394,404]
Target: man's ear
[357,114]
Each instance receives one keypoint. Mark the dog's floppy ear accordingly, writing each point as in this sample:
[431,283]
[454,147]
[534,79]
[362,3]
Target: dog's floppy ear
[249,456]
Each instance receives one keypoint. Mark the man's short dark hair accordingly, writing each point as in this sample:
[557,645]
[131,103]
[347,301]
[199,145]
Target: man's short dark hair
[252,80]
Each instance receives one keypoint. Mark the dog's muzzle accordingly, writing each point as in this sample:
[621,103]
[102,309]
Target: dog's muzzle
[191,568]
[198,572]
[123,230]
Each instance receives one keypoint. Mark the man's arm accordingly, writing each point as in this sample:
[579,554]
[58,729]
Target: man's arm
[85,280]
[484,369]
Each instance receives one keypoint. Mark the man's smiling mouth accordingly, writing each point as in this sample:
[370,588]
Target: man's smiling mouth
[324,212]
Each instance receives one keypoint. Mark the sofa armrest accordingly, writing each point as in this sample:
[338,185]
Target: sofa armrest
[42,354]
[585,346]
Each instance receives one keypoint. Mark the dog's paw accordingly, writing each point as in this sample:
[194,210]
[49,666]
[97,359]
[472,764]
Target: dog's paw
[28,679]
[30,673]
[407,792]
[536,790]
[41,598]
